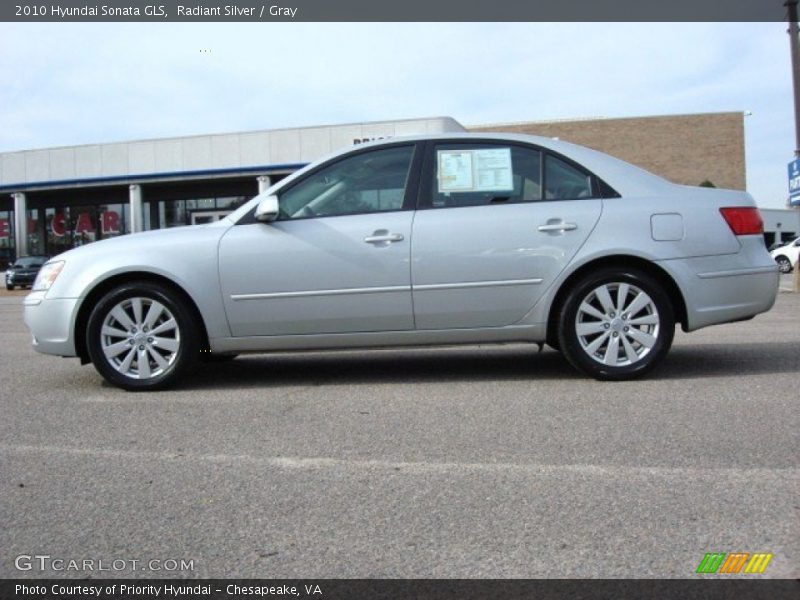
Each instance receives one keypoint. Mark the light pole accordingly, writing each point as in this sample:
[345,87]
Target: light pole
[795,50]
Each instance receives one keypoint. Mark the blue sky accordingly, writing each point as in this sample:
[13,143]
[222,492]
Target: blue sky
[69,84]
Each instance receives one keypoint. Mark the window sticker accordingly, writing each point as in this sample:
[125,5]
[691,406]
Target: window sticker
[485,170]
[455,171]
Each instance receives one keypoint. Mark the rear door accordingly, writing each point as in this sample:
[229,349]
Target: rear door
[497,222]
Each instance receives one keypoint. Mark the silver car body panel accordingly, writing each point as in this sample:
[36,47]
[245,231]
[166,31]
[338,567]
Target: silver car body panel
[489,269]
[328,279]
[448,277]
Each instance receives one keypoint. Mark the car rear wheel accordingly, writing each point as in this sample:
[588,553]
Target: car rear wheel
[616,324]
[784,264]
[9,287]
[142,336]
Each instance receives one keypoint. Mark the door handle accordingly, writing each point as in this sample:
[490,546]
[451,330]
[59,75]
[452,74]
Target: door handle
[560,226]
[384,238]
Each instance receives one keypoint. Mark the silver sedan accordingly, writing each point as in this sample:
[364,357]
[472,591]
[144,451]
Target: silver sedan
[451,239]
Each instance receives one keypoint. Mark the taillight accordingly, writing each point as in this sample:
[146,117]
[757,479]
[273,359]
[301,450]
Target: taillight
[743,220]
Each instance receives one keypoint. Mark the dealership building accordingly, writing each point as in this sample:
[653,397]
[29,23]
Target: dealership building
[53,199]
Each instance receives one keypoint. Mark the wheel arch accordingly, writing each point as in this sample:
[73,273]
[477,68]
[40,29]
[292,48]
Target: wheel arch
[619,261]
[104,286]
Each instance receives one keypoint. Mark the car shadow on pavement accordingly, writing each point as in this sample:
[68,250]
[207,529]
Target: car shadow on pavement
[721,360]
[384,366]
[477,364]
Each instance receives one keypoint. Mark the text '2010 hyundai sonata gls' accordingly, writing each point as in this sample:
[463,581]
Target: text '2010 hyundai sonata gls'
[449,239]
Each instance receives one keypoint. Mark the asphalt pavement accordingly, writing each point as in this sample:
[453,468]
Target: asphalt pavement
[478,461]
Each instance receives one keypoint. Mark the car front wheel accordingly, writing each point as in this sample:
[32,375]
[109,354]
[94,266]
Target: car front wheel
[141,336]
[616,324]
[9,287]
[784,264]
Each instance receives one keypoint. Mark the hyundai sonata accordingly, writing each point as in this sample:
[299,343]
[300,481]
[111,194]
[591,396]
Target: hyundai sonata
[450,239]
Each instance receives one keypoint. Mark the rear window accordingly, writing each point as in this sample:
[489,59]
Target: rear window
[565,182]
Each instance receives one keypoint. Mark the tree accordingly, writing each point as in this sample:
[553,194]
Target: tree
[707,183]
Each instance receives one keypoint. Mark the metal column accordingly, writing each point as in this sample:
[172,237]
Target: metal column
[20,224]
[135,200]
[264,182]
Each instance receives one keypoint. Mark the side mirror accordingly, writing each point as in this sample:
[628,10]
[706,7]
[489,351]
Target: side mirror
[267,209]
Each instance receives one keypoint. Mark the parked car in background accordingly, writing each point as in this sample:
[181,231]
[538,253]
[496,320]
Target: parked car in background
[448,239]
[786,255]
[23,272]
[776,245]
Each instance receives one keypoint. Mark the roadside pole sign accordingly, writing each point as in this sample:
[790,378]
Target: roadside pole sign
[794,182]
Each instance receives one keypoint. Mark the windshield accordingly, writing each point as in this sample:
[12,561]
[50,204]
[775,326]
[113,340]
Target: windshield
[30,261]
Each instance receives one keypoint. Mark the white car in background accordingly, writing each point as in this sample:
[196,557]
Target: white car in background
[786,256]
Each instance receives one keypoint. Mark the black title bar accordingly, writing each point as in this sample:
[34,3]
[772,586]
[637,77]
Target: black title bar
[399,10]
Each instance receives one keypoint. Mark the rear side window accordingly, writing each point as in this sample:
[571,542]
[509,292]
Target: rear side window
[482,174]
[565,182]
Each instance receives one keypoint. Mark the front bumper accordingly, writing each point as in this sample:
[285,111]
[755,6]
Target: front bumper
[51,323]
[19,279]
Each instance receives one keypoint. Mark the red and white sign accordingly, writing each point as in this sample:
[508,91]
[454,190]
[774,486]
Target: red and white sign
[109,223]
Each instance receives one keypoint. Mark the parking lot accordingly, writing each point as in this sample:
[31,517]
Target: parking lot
[461,462]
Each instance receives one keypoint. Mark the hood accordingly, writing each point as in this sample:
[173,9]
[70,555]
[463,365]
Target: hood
[154,238]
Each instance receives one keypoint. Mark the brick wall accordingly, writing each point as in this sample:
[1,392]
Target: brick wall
[682,148]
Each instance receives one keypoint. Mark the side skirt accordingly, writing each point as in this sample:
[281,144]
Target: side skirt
[382,339]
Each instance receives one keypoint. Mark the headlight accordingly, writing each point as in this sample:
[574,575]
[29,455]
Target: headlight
[47,276]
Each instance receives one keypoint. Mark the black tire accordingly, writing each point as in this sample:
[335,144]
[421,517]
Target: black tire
[579,348]
[9,287]
[184,333]
[784,264]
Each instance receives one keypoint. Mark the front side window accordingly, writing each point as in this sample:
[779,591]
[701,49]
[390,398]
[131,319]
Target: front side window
[367,182]
[481,174]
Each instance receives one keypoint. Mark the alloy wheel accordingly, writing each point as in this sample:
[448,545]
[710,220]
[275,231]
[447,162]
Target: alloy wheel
[784,265]
[140,338]
[617,324]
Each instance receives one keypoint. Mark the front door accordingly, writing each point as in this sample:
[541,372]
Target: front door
[337,258]
[497,223]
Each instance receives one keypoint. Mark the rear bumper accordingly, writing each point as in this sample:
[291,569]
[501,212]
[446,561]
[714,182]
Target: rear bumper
[50,321]
[716,292]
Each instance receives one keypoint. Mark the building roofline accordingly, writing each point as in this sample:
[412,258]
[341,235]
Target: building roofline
[227,133]
[603,118]
[144,177]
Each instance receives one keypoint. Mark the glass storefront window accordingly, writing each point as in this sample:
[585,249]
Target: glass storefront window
[72,226]
[231,202]
[112,220]
[172,214]
[7,254]
[146,218]
[176,213]
[36,236]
